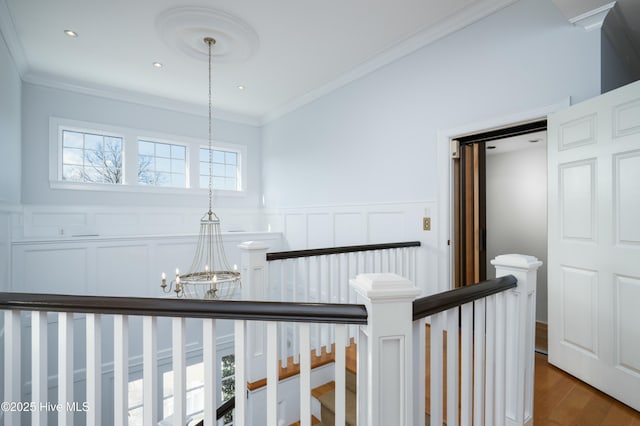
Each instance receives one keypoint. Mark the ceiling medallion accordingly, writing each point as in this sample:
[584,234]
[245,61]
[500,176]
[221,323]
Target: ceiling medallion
[184,28]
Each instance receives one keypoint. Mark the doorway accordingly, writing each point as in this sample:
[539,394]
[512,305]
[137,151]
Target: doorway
[500,202]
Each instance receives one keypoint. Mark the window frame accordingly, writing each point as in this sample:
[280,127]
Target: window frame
[131,137]
[240,151]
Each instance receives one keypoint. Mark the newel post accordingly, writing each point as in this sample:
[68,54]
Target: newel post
[520,339]
[254,281]
[385,350]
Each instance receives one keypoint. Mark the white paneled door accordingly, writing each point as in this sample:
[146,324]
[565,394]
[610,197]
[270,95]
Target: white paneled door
[594,242]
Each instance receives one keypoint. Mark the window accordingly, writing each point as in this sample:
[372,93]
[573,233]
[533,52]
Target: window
[228,384]
[225,168]
[93,158]
[162,164]
[99,157]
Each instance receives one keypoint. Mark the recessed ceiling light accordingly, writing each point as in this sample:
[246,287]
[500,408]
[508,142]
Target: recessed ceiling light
[71,33]
[240,87]
[157,64]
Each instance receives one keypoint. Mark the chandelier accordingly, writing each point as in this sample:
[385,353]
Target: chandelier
[209,276]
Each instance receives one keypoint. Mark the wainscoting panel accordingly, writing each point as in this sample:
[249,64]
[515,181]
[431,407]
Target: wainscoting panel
[112,266]
[343,225]
[52,269]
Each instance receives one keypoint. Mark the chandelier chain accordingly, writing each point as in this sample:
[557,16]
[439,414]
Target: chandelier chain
[210,42]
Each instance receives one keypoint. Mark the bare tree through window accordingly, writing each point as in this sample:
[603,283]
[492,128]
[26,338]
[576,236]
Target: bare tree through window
[89,157]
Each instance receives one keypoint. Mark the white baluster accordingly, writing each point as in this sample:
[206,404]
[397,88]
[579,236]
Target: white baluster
[500,357]
[305,374]
[210,370]
[94,369]
[12,364]
[419,371]
[466,384]
[436,367]
[490,360]
[179,372]
[272,373]
[240,415]
[39,383]
[340,370]
[452,366]
[149,370]
[65,366]
[479,343]
[121,370]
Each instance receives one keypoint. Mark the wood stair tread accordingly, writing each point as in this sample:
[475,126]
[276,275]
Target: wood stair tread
[314,422]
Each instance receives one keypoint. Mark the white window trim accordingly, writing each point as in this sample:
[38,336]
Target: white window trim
[242,160]
[130,138]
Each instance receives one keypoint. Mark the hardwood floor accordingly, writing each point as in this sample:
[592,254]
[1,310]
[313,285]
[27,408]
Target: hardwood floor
[561,399]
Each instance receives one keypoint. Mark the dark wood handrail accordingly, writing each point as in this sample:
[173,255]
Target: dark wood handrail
[189,308]
[440,302]
[282,255]
[226,407]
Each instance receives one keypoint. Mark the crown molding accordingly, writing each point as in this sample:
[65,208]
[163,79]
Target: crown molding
[10,36]
[453,23]
[91,89]
[593,19]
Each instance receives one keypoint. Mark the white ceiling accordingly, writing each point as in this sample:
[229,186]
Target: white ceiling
[517,143]
[302,48]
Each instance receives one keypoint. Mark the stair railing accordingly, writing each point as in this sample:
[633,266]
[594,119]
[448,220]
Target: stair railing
[99,310]
[481,349]
[322,276]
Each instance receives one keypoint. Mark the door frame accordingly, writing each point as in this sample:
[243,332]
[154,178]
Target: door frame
[444,173]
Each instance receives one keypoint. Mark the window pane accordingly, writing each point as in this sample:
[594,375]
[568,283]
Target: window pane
[178,166]
[72,156]
[218,156]
[218,170]
[72,173]
[218,183]
[178,151]
[230,158]
[178,180]
[230,184]
[230,171]
[72,139]
[95,161]
[162,179]
[163,150]
[112,144]
[163,165]
[146,148]
[204,181]
[93,142]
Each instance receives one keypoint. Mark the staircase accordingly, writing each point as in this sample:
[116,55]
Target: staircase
[325,394]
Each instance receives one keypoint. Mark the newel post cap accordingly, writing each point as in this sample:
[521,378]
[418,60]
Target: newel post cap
[253,245]
[517,261]
[384,287]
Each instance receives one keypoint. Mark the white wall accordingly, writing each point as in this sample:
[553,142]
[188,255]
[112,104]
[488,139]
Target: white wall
[40,103]
[10,109]
[374,140]
[516,190]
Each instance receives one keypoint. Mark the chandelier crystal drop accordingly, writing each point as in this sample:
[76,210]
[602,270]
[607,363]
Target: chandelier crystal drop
[209,276]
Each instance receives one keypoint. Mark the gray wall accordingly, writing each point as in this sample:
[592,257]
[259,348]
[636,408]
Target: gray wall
[10,109]
[375,138]
[517,211]
[40,103]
